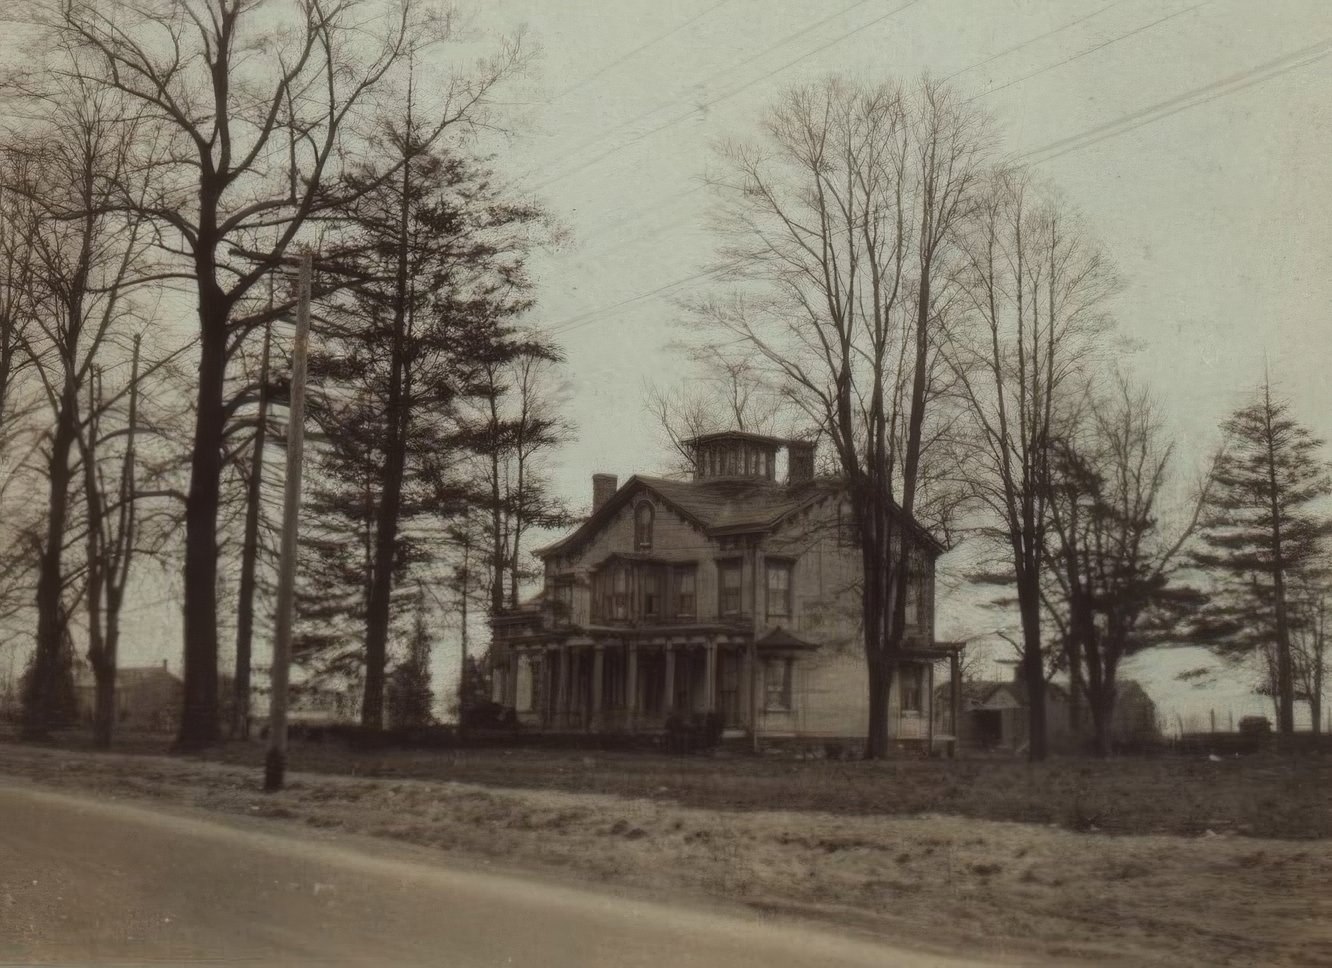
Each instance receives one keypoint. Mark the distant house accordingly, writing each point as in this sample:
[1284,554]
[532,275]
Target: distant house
[148,698]
[995,716]
[732,594]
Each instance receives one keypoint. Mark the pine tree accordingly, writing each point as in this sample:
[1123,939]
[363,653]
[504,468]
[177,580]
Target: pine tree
[1261,527]
[410,697]
[442,256]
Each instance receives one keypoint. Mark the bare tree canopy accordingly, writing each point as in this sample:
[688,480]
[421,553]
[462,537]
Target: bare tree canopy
[251,112]
[1116,568]
[839,225]
[1030,294]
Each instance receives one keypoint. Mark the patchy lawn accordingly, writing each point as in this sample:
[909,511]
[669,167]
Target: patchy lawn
[838,840]
[1259,796]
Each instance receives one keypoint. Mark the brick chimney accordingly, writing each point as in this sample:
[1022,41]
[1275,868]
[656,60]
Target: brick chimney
[799,461]
[603,489]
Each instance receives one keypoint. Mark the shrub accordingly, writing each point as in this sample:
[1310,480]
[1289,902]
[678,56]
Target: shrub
[692,732]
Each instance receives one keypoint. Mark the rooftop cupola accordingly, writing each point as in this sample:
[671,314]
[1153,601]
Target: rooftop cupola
[739,455]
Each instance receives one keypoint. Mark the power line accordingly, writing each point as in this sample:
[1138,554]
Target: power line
[1090,50]
[1217,89]
[1067,26]
[636,51]
[1190,99]
[731,69]
[571,323]
[1033,40]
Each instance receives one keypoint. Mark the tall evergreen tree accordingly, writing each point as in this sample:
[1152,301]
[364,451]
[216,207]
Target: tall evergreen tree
[443,259]
[1262,526]
[410,697]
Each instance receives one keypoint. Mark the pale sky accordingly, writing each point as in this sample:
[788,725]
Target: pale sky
[1194,136]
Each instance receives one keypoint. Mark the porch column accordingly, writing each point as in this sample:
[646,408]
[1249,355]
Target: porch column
[929,711]
[668,687]
[598,673]
[562,690]
[631,687]
[547,681]
[710,678]
[955,698]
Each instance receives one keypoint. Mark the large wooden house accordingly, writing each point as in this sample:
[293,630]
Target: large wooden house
[731,593]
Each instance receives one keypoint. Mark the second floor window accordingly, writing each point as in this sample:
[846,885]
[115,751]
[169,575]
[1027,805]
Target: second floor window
[779,589]
[562,597]
[917,598]
[913,686]
[643,515]
[729,599]
[777,684]
[686,596]
[620,594]
[651,582]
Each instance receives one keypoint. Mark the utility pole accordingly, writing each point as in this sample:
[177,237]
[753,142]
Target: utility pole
[275,764]
[240,725]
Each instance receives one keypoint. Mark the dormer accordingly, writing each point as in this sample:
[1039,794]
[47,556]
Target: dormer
[737,455]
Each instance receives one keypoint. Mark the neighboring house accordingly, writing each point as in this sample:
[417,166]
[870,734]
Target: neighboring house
[147,698]
[994,715]
[309,705]
[731,593]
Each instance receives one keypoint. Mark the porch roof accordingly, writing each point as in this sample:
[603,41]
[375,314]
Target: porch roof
[779,638]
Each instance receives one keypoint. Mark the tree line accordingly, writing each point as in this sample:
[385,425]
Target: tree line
[174,156]
[943,319]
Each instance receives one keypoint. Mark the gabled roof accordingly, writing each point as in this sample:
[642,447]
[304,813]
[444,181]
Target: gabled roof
[1004,694]
[720,506]
[779,638]
[716,506]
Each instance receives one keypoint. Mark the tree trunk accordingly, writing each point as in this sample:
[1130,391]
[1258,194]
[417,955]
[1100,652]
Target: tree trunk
[880,684]
[377,611]
[199,718]
[240,720]
[41,687]
[390,493]
[104,705]
[1033,668]
[496,521]
[1103,714]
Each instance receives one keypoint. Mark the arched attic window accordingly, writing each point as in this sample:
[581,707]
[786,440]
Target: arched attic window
[643,515]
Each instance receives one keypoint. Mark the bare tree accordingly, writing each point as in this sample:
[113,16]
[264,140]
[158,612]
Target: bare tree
[731,393]
[88,257]
[20,434]
[538,428]
[1033,287]
[1116,570]
[1309,640]
[111,533]
[251,144]
[838,227]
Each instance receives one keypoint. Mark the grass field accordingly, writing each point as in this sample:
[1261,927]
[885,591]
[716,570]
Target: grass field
[916,850]
[1260,796]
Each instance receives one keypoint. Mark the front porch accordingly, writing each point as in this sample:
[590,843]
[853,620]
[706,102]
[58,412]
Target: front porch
[628,686]
[617,684]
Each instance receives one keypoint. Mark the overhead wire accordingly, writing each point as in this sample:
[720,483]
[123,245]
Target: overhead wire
[1034,40]
[1095,135]
[1224,87]
[636,51]
[564,325]
[695,111]
[1090,50]
[729,69]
